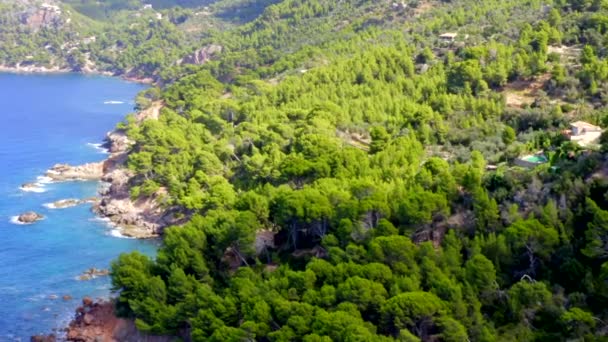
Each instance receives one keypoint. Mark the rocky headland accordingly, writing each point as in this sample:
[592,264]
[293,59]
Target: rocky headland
[65,172]
[96,321]
[141,218]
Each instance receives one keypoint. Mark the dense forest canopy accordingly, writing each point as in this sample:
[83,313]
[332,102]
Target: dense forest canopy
[348,170]
[380,159]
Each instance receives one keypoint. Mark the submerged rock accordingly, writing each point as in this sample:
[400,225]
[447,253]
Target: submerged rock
[43,338]
[29,217]
[68,203]
[26,186]
[93,273]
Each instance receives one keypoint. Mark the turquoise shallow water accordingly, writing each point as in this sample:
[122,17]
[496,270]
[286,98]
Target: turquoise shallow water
[46,120]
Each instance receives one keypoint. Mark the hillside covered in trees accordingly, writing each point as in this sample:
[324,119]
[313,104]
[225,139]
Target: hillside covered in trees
[347,171]
[136,39]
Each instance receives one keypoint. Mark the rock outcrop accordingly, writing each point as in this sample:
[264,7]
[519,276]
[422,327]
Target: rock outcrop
[117,142]
[64,172]
[29,217]
[71,202]
[93,273]
[202,55]
[143,218]
[44,15]
[97,322]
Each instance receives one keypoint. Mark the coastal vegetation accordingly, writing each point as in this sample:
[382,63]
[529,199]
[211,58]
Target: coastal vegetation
[362,149]
[345,171]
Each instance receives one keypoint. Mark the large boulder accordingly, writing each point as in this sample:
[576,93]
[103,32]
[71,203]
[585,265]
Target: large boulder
[43,338]
[29,217]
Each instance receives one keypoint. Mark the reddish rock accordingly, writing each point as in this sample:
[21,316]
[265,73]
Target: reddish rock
[87,319]
[43,338]
[67,297]
[97,322]
[87,302]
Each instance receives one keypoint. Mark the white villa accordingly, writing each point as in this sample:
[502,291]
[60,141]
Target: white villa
[584,133]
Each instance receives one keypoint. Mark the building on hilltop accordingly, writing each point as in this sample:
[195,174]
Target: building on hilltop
[584,133]
[448,37]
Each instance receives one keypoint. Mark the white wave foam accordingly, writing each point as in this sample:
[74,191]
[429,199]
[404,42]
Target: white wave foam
[45,179]
[15,220]
[50,205]
[116,232]
[99,147]
[112,102]
[114,229]
[37,186]
[102,219]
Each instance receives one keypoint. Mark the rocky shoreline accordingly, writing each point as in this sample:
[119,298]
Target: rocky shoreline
[34,69]
[143,218]
[97,321]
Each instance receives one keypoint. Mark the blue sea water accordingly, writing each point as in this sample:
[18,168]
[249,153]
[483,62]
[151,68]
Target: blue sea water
[48,119]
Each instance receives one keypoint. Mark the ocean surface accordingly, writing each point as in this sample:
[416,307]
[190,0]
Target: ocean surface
[44,120]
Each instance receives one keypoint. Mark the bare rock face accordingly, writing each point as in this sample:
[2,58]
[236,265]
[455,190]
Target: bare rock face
[37,16]
[117,142]
[29,217]
[64,172]
[97,322]
[201,56]
[143,218]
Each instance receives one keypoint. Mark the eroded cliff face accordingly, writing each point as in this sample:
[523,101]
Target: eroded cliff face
[37,14]
[144,217]
[202,55]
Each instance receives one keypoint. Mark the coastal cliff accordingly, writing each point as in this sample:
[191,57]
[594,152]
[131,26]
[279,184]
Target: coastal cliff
[97,322]
[139,218]
[144,217]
